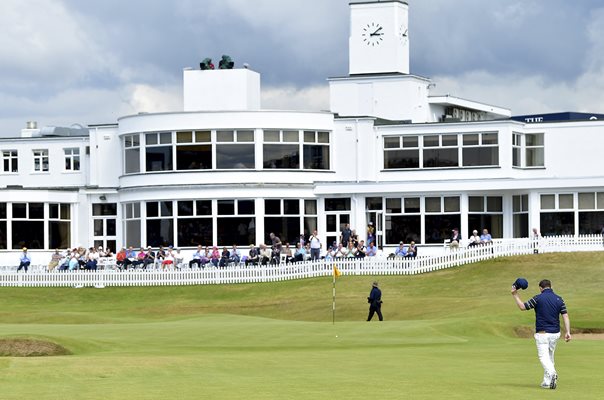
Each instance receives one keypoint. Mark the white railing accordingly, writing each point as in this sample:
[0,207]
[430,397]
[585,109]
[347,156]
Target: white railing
[38,277]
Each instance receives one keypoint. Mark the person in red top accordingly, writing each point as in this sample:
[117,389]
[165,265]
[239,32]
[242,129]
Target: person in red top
[120,258]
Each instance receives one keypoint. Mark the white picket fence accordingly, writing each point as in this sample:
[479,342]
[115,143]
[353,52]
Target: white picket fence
[240,274]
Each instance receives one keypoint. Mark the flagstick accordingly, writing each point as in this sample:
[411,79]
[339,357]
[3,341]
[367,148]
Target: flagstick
[333,307]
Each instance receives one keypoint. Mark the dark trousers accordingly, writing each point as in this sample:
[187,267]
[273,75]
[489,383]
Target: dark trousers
[375,309]
[23,264]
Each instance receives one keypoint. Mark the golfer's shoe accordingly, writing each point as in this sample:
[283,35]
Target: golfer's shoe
[554,382]
[544,385]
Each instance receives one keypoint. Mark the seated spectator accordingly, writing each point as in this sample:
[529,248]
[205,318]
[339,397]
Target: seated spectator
[24,260]
[92,259]
[120,258]
[341,252]
[253,256]
[149,258]
[224,258]
[178,258]
[486,238]
[361,250]
[455,239]
[474,239]
[329,254]
[132,258]
[300,252]
[351,251]
[55,259]
[308,255]
[287,253]
[159,256]
[412,250]
[215,256]
[235,255]
[401,250]
[196,260]
[74,262]
[168,260]
[371,250]
[265,254]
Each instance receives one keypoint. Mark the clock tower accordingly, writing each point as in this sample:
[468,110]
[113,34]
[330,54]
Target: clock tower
[379,37]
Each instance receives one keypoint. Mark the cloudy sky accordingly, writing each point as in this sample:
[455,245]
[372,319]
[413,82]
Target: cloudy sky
[89,62]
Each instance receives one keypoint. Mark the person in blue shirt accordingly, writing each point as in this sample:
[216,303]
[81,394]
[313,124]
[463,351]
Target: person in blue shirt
[24,260]
[401,250]
[548,307]
[371,249]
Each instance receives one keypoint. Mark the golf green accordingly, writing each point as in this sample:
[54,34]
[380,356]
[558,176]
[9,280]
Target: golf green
[454,334]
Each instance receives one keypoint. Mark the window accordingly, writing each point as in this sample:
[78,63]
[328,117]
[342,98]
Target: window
[104,216]
[403,220]
[194,225]
[284,217]
[28,225]
[3,226]
[486,212]
[158,151]
[557,214]
[441,150]
[236,222]
[59,226]
[520,215]
[40,160]
[281,149]
[132,227]
[591,213]
[160,224]
[10,161]
[528,150]
[132,154]
[235,150]
[193,150]
[480,149]
[72,159]
[316,150]
[442,215]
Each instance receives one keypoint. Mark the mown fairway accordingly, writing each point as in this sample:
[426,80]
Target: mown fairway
[447,335]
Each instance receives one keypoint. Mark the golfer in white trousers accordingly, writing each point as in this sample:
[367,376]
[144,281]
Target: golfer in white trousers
[548,307]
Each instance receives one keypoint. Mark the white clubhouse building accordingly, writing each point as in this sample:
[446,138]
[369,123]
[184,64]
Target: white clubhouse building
[225,171]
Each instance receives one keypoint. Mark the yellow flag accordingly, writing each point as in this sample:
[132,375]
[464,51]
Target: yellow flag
[336,271]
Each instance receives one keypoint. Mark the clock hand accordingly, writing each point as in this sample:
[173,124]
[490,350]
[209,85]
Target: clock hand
[376,32]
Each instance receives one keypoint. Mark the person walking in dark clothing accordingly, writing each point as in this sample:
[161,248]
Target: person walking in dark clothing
[375,302]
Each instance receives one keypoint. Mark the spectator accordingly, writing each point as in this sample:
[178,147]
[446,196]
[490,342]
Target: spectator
[315,246]
[301,240]
[196,260]
[535,237]
[370,233]
[361,250]
[74,263]
[265,254]
[346,235]
[159,257]
[354,237]
[55,259]
[120,259]
[215,256]
[178,258]
[412,250]
[341,252]
[224,257]
[455,239]
[276,248]
[92,259]
[401,250]
[168,260]
[287,252]
[371,249]
[300,253]
[253,256]
[24,260]
[486,238]
[235,255]
[351,251]
[474,239]
[131,256]
[149,257]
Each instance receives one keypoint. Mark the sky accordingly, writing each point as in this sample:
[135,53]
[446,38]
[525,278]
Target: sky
[64,62]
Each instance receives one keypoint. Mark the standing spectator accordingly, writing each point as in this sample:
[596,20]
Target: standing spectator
[354,237]
[486,238]
[24,260]
[370,233]
[375,302]
[371,249]
[536,238]
[301,240]
[548,308]
[276,248]
[315,246]
[346,235]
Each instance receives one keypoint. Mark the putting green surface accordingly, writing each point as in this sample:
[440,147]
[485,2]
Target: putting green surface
[451,334]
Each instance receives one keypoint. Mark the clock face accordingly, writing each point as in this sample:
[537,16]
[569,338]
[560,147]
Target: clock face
[403,34]
[372,34]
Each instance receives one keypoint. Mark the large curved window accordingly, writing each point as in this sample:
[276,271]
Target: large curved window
[235,150]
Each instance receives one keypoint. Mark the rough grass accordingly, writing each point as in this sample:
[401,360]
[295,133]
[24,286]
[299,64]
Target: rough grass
[452,334]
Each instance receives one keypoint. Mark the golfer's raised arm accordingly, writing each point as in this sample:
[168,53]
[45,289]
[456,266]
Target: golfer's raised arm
[519,302]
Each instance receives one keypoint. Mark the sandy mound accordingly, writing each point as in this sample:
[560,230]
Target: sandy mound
[14,347]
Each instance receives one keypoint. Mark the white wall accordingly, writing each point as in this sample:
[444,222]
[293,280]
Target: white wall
[221,89]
